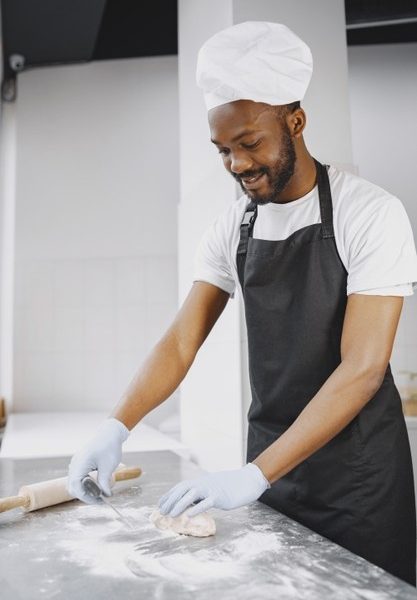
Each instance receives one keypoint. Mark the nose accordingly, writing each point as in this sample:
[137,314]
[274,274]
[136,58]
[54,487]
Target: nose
[240,163]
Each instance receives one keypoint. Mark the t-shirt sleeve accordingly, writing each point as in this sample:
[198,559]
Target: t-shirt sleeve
[394,290]
[211,262]
[382,252]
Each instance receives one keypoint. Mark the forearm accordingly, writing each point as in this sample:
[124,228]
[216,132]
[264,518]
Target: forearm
[337,402]
[155,381]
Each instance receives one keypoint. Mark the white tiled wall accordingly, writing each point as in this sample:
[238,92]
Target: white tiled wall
[96,230]
[83,326]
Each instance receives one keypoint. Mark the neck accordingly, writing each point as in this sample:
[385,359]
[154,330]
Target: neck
[303,179]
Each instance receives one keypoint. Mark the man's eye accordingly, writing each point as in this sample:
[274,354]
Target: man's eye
[251,146]
[223,151]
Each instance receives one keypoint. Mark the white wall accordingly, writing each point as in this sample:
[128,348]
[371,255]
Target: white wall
[215,395]
[2,366]
[7,214]
[383,100]
[7,246]
[96,229]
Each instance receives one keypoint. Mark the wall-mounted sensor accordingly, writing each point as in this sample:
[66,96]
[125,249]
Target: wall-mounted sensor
[17,62]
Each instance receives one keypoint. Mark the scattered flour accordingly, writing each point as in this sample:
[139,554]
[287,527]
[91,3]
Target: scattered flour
[250,557]
[94,540]
[225,561]
[183,568]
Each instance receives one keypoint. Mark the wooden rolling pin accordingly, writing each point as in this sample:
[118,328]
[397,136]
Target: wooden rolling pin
[54,491]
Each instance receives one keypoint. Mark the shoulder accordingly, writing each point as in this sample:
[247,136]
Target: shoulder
[227,224]
[214,259]
[360,205]
[231,218]
[352,193]
[219,238]
[373,234]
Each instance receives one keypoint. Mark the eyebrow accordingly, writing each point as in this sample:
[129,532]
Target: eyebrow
[238,136]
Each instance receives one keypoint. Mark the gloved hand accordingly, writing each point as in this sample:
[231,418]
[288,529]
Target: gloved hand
[224,489]
[102,453]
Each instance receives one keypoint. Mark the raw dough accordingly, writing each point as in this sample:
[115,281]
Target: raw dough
[201,525]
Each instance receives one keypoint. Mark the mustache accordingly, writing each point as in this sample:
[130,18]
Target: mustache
[248,174]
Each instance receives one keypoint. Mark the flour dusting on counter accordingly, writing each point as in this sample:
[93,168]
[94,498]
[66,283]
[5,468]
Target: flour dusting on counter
[230,559]
[242,551]
[92,538]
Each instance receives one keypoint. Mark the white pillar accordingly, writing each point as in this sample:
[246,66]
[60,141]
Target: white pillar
[7,219]
[215,395]
[7,229]
[211,407]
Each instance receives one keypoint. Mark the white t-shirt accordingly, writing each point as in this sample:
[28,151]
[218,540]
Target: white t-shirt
[373,236]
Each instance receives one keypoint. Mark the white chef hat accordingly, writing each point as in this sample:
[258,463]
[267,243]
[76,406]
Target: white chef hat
[256,60]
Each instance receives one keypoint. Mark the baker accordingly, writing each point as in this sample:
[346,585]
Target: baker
[323,259]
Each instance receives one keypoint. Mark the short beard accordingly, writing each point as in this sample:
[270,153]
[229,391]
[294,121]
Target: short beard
[278,176]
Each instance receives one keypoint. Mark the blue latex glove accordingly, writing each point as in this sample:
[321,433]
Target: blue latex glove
[102,454]
[224,489]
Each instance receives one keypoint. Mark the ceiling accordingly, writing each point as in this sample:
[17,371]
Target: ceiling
[381,21]
[47,32]
[38,33]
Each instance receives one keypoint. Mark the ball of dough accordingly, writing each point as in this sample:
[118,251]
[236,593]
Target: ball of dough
[201,525]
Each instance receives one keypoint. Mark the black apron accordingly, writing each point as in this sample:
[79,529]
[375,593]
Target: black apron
[358,489]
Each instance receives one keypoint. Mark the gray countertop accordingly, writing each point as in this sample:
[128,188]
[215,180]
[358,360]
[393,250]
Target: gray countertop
[77,551]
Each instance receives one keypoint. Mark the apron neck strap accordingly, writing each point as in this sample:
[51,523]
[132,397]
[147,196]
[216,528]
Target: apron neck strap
[325,198]
[246,227]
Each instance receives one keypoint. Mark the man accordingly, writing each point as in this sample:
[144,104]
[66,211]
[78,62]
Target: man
[323,259]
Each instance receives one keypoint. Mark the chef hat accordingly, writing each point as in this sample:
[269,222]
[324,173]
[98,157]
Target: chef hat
[256,60]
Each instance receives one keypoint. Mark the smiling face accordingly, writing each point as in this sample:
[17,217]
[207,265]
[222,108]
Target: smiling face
[256,146]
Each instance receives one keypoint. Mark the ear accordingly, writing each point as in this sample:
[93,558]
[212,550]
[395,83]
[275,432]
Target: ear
[296,122]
